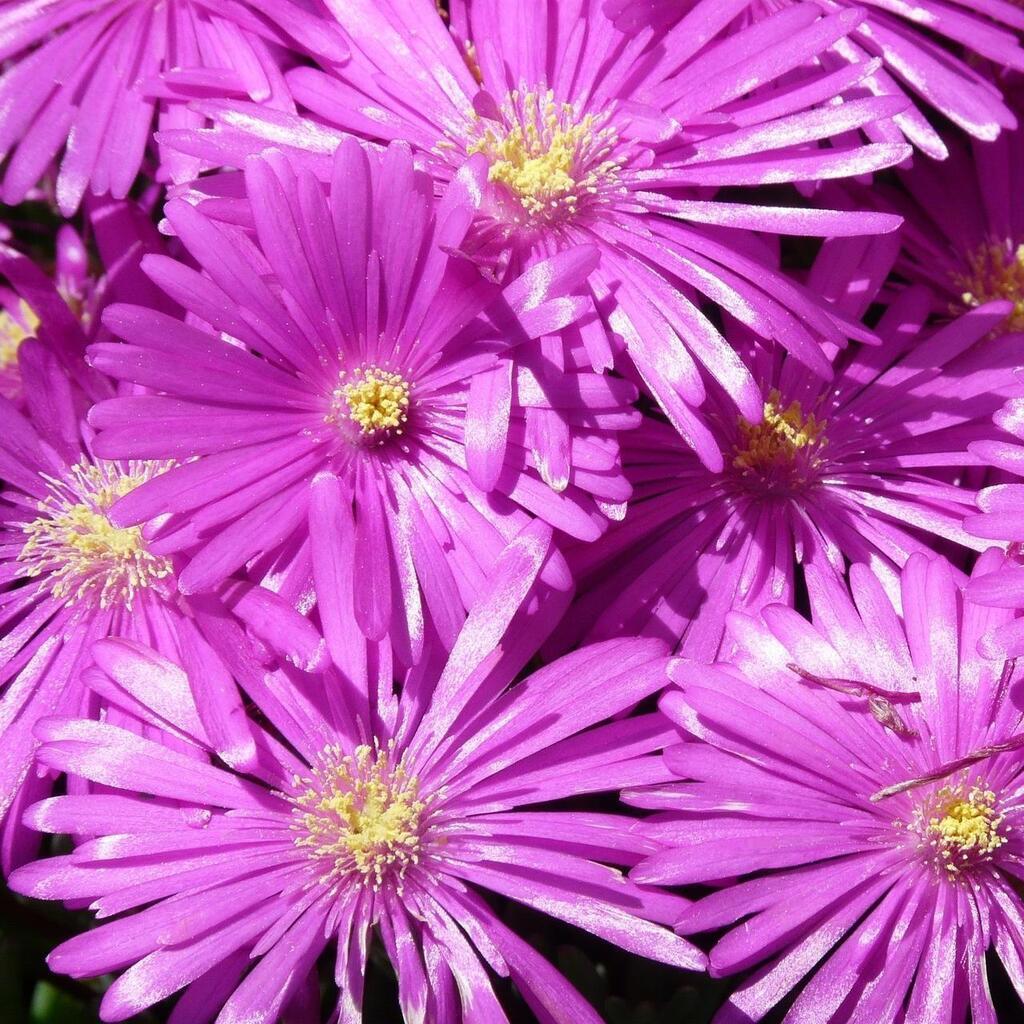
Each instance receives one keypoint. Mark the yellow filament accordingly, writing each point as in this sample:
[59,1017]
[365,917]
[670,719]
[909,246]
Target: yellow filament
[79,550]
[375,400]
[778,437]
[361,814]
[995,271]
[965,827]
[549,158]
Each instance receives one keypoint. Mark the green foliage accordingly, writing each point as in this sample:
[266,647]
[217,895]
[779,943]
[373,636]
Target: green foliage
[52,1006]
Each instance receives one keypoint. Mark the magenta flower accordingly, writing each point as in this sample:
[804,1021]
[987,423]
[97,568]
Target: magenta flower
[69,576]
[378,420]
[74,283]
[122,233]
[367,812]
[1001,518]
[866,771]
[591,137]
[970,251]
[929,52]
[865,468]
[88,79]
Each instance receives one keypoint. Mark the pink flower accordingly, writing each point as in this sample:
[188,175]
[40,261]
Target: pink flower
[970,251]
[367,410]
[369,813]
[929,51]
[88,79]
[69,576]
[122,233]
[1000,517]
[854,794]
[592,137]
[867,467]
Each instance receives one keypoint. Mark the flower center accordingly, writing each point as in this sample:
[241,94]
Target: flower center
[784,449]
[75,545]
[375,400]
[362,815]
[13,331]
[995,271]
[960,829]
[547,156]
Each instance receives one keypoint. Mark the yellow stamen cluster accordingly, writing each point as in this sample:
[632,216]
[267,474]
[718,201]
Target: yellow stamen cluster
[962,829]
[995,271]
[375,400]
[362,815]
[776,442]
[546,155]
[13,331]
[79,550]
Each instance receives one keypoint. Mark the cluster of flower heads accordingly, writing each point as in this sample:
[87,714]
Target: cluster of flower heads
[472,453]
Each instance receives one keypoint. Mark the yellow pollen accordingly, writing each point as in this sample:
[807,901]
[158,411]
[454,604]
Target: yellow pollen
[14,331]
[362,815]
[962,828]
[547,156]
[376,400]
[79,550]
[996,271]
[776,440]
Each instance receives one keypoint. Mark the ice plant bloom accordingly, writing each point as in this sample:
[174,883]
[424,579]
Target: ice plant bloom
[929,52]
[371,817]
[70,576]
[971,251]
[75,285]
[121,232]
[866,770]
[1000,519]
[369,405]
[868,467]
[88,80]
[592,137]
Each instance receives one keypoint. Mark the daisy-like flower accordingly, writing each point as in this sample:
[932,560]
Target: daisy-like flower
[121,233]
[929,50]
[367,409]
[972,251]
[73,282]
[593,137]
[89,78]
[1001,519]
[69,575]
[867,771]
[865,468]
[367,819]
